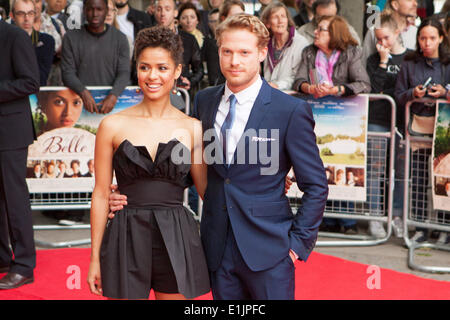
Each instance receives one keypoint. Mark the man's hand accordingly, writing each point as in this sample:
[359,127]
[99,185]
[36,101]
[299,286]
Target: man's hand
[273,85]
[88,101]
[186,83]
[116,201]
[108,104]
[292,255]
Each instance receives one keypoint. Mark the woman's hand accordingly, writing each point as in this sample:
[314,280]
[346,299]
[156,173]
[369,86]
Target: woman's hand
[419,91]
[383,52]
[94,278]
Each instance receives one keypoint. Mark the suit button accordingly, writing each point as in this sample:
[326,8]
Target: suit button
[227,181]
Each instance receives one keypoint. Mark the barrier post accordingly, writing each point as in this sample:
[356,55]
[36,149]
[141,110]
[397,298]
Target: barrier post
[409,219]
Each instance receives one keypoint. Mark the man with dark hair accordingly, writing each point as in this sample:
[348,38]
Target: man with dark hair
[96,55]
[56,10]
[320,9]
[130,20]
[19,77]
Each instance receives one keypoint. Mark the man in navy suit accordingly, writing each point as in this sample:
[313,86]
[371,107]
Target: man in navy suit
[253,135]
[250,236]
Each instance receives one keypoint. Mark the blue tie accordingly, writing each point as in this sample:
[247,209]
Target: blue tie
[227,125]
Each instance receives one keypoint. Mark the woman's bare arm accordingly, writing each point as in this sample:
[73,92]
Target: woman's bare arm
[198,167]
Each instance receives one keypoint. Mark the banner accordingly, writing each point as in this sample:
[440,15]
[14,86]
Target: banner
[441,157]
[341,133]
[65,145]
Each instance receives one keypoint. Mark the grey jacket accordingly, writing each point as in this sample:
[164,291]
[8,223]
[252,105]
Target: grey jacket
[348,70]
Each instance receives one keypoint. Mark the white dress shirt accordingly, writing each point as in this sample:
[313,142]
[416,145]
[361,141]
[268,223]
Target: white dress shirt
[244,104]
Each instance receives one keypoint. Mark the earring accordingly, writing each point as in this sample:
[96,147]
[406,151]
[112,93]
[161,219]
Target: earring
[174,89]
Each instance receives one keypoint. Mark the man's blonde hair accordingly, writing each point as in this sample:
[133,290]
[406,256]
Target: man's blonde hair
[247,22]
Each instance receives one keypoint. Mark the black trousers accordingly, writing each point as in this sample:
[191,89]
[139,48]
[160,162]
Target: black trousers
[16,226]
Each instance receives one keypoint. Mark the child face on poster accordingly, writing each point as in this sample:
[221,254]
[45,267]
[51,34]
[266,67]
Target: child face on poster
[62,108]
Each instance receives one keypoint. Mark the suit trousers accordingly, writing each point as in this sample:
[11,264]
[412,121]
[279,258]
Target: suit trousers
[16,225]
[234,280]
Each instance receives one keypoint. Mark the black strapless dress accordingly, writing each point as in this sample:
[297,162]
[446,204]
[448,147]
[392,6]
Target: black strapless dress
[154,190]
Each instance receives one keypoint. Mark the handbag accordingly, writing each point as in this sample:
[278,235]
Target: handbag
[421,125]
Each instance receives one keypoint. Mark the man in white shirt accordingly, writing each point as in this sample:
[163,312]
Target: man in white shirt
[131,21]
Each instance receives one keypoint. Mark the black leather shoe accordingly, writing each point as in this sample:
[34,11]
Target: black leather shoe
[4,269]
[14,280]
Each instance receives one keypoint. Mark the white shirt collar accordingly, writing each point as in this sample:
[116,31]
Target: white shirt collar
[248,94]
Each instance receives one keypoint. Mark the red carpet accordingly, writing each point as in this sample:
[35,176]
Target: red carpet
[61,275]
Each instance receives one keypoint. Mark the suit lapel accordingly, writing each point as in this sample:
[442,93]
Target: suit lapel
[217,96]
[259,111]
[215,99]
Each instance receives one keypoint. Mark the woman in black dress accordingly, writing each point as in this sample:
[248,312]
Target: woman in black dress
[153,243]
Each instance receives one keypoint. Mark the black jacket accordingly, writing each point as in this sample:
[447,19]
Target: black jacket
[302,17]
[192,59]
[210,54]
[139,19]
[19,77]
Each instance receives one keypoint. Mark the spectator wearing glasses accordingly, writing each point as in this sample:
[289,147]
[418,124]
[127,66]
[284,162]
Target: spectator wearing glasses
[23,14]
[335,59]
[343,73]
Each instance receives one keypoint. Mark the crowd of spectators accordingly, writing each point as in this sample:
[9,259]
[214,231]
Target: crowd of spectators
[313,50]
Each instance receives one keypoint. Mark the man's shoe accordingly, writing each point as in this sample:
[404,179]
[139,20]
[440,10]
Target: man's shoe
[4,269]
[14,280]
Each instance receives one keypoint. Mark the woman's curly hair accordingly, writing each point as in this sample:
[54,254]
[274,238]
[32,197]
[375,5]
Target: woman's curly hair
[159,37]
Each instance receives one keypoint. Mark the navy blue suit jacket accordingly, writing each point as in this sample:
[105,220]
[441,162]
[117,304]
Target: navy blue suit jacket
[254,203]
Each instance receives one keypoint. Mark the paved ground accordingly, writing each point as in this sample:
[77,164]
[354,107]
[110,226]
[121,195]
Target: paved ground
[391,255]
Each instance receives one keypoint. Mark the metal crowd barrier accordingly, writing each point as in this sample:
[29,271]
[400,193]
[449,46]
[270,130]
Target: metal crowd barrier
[379,189]
[418,209]
[74,201]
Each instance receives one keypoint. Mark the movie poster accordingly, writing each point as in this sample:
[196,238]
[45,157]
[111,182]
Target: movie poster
[341,133]
[441,157]
[62,158]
